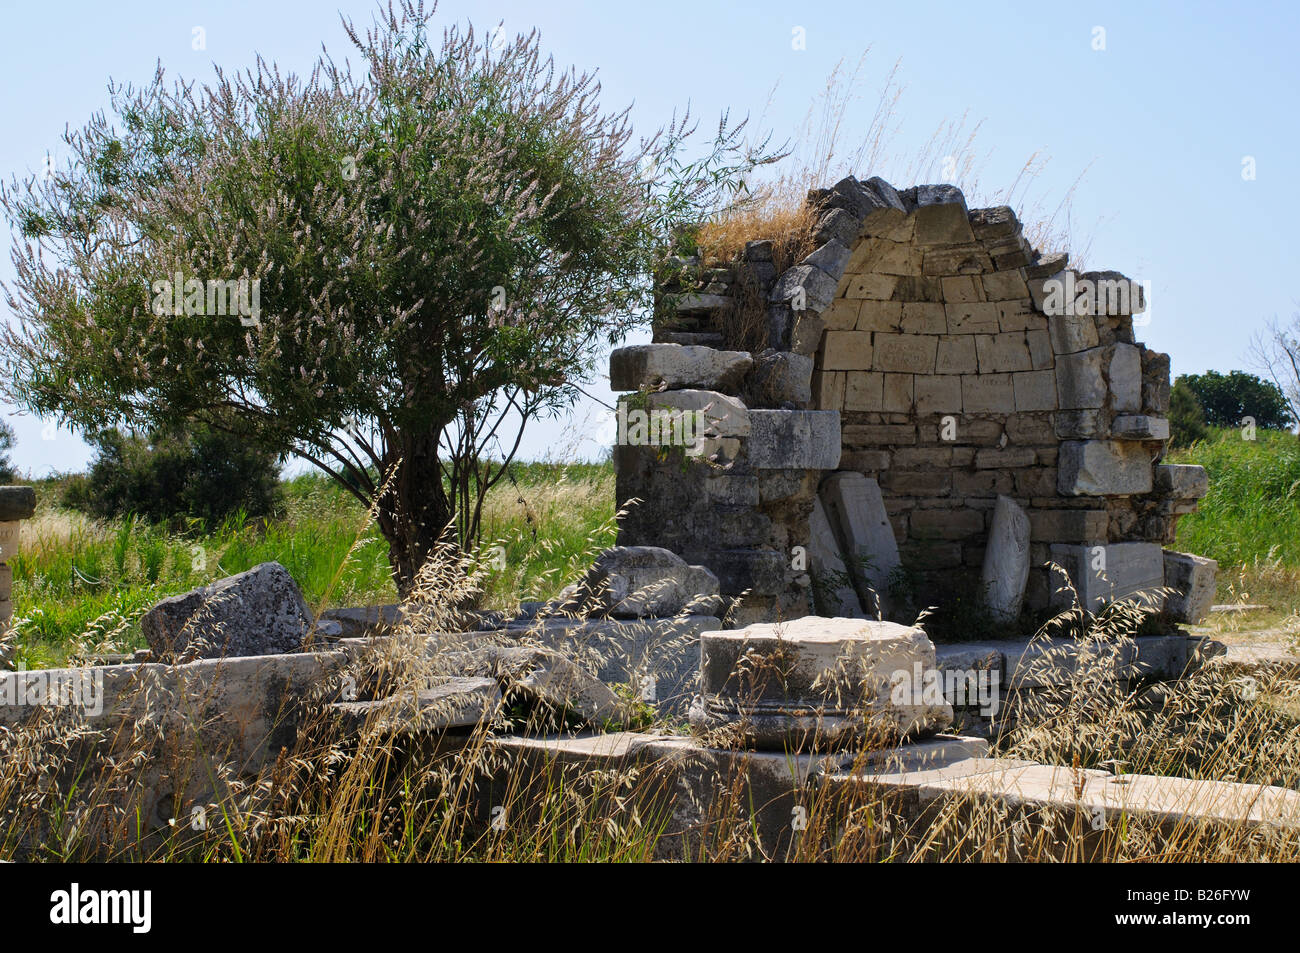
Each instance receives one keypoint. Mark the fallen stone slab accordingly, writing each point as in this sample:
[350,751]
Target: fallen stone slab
[258,612]
[833,591]
[1236,608]
[857,514]
[1119,572]
[632,582]
[1006,561]
[542,676]
[816,683]
[676,367]
[451,703]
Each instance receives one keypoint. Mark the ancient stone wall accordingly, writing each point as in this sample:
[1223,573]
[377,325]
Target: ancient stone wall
[963,365]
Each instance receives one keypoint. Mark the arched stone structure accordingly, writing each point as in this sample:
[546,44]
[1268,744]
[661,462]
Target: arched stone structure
[959,365]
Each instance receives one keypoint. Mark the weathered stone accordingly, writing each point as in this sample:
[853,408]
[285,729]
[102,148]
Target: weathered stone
[1103,468]
[833,592]
[453,702]
[846,351]
[804,288]
[10,535]
[786,439]
[839,224]
[1193,580]
[700,303]
[1182,481]
[988,394]
[857,513]
[831,258]
[1133,572]
[1079,424]
[1068,526]
[1139,427]
[1006,561]
[1072,333]
[355,623]
[675,367]
[718,415]
[1080,383]
[633,582]
[544,676]
[941,216]
[904,353]
[818,683]
[1035,391]
[1126,379]
[17,503]
[258,612]
[780,379]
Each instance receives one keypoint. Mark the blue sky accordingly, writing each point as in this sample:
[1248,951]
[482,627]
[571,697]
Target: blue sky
[1161,119]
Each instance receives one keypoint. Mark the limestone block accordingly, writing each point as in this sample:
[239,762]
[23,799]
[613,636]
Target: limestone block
[1079,424]
[718,414]
[857,513]
[1068,526]
[1035,391]
[972,317]
[1182,481]
[1006,561]
[818,683]
[864,391]
[643,581]
[847,351]
[956,354]
[988,394]
[842,315]
[700,303]
[1080,382]
[780,378]
[837,223]
[899,395]
[936,394]
[675,367]
[1103,468]
[923,317]
[1126,378]
[833,591]
[1002,352]
[963,289]
[9,536]
[794,439]
[830,258]
[941,216]
[1005,285]
[1132,572]
[1139,427]
[828,389]
[904,353]
[879,315]
[16,503]
[1193,580]
[804,288]
[6,582]
[1072,332]
[1019,315]
[874,286]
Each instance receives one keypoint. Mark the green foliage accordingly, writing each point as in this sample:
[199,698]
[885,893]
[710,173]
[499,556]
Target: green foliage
[1252,509]
[1186,418]
[201,475]
[1228,398]
[7,472]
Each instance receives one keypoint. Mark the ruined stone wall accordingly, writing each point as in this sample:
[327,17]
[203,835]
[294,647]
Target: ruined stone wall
[963,365]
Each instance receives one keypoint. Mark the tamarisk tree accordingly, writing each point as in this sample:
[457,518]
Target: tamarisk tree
[385,275]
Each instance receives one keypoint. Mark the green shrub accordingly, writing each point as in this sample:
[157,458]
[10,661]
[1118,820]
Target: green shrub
[7,472]
[201,475]
[1186,417]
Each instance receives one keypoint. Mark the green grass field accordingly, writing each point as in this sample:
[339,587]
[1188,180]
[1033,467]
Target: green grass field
[81,585]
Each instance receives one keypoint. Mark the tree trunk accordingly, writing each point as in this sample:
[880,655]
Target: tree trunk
[415,511]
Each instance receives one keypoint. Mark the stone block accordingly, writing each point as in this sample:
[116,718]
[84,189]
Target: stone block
[864,391]
[804,288]
[973,317]
[988,394]
[1072,333]
[1139,427]
[17,503]
[1019,315]
[1133,572]
[846,351]
[833,592]
[1079,424]
[964,289]
[842,315]
[10,535]
[1002,352]
[779,379]
[856,511]
[1103,468]
[1080,381]
[1181,481]
[1005,286]
[946,524]
[632,582]
[923,317]
[831,258]
[1193,580]
[941,216]
[873,286]
[879,315]
[904,353]
[816,683]
[794,439]
[1068,526]
[899,396]
[956,354]
[1126,379]
[937,394]
[1034,391]
[674,367]
[1005,572]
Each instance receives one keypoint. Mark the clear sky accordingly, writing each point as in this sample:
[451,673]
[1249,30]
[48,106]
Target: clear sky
[1161,119]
